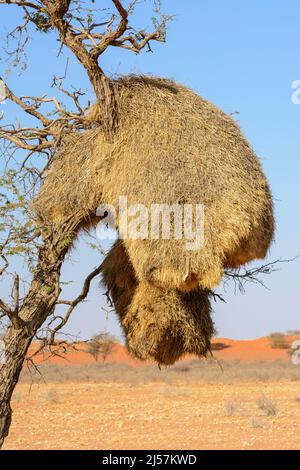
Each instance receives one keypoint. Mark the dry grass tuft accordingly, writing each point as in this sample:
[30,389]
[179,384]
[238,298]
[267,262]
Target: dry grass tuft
[267,406]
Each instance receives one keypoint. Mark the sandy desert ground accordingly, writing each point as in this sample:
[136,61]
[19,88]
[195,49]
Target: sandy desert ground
[194,405]
[155,416]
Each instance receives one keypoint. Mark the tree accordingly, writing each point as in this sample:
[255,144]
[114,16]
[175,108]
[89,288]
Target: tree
[86,32]
[102,345]
[28,310]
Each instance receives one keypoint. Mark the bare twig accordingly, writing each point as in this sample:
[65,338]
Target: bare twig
[243,275]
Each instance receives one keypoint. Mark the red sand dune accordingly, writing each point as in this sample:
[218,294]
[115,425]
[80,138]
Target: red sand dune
[223,349]
[249,350]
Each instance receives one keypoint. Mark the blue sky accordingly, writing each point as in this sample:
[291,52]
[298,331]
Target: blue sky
[242,56]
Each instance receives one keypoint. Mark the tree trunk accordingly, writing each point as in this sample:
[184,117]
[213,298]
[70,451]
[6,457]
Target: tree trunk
[16,346]
[36,307]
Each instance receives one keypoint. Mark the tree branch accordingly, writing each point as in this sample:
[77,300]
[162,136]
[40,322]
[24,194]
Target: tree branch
[5,308]
[241,276]
[79,34]
[21,3]
[72,305]
[28,109]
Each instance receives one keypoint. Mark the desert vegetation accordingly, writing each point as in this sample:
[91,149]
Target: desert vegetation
[193,372]
[279,341]
[101,346]
[254,407]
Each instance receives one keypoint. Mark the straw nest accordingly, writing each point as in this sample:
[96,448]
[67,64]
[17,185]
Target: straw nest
[171,147]
[160,324]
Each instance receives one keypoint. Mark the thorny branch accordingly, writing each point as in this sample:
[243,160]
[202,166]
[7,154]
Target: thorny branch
[243,275]
[49,135]
[87,38]
[51,340]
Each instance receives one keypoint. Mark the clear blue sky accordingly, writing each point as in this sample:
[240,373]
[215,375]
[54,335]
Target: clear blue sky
[243,56]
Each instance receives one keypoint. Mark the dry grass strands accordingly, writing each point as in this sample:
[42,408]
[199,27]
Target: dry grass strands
[119,278]
[166,324]
[172,147]
[159,324]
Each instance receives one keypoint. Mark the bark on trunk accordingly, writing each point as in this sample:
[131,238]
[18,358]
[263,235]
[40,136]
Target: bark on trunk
[36,307]
[17,343]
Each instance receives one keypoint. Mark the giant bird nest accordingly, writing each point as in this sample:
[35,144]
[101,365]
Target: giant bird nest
[171,147]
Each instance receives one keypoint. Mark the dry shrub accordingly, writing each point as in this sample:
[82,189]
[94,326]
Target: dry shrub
[278,341]
[171,147]
[293,332]
[267,406]
[204,371]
